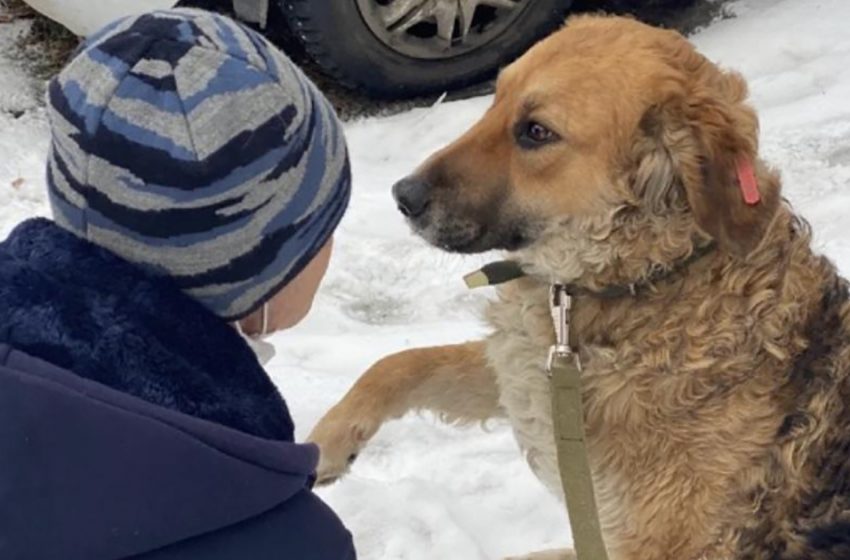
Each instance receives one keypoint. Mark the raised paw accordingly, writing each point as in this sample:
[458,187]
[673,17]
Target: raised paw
[340,435]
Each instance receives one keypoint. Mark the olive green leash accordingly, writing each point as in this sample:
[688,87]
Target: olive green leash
[564,370]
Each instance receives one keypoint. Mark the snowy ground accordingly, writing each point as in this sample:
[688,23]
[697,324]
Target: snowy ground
[423,491]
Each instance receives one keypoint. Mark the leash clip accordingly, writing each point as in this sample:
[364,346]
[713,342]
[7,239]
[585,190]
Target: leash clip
[560,304]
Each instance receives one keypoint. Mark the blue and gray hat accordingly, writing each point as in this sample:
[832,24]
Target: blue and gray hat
[189,145]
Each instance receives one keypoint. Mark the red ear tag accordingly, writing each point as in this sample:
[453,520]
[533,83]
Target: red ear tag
[748,182]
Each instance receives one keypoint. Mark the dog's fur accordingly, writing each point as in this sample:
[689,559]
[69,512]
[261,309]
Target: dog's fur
[716,398]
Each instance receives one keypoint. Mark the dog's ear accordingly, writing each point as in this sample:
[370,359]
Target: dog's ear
[703,144]
[655,179]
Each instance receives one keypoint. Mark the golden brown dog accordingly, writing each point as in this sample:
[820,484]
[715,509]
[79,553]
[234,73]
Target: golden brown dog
[717,394]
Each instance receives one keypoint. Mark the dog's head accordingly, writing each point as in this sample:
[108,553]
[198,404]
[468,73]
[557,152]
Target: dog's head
[609,142]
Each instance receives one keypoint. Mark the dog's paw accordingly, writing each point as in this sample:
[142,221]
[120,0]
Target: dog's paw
[340,436]
[560,554]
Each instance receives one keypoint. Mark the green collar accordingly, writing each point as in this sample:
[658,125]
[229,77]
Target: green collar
[493,274]
[501,272]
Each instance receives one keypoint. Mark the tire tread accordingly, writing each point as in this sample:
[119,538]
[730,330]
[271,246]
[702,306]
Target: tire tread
[312,37]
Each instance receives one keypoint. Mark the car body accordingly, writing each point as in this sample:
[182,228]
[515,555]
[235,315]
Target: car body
[84,17]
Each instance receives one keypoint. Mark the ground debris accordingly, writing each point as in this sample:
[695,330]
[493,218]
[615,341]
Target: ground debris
[45,46]
[13,10]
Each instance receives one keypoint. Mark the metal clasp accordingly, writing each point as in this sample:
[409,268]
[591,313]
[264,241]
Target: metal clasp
[560,304]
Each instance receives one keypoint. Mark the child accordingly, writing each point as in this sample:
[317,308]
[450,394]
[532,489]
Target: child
[196,178]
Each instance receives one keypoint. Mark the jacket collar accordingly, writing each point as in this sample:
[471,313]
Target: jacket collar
[82,308]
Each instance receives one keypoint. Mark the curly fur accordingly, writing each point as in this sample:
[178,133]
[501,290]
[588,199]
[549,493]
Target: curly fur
[687,390]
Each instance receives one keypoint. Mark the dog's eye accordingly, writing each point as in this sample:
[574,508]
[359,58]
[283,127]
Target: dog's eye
[532,134]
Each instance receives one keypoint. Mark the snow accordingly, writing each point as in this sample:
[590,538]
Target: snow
[23,137]
[422,490]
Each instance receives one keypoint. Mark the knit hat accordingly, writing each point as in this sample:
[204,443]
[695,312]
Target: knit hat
[190,146]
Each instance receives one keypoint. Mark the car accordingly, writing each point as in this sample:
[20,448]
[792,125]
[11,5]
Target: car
[84,17]
[401,48]
[387,48]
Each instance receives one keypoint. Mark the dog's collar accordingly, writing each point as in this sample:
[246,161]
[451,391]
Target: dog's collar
[501,272]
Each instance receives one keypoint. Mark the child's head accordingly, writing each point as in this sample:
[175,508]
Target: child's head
[189,145]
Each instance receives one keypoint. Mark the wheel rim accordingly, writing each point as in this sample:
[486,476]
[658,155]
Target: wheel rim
[439,29]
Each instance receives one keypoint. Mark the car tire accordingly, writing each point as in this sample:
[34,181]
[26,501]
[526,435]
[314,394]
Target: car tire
[338,38]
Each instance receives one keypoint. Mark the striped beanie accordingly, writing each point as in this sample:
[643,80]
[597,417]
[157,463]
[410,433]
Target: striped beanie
[189,145]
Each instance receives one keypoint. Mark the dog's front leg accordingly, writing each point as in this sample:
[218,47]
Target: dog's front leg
[454,382]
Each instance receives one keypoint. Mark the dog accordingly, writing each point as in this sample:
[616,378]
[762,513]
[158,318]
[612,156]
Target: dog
[717,387]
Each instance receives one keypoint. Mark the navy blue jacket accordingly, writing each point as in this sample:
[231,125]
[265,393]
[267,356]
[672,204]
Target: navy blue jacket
[136,424]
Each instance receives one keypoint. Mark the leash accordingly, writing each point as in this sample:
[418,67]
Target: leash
[564,369]
[563,366]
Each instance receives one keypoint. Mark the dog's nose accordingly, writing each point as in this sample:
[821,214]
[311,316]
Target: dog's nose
[412,196]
